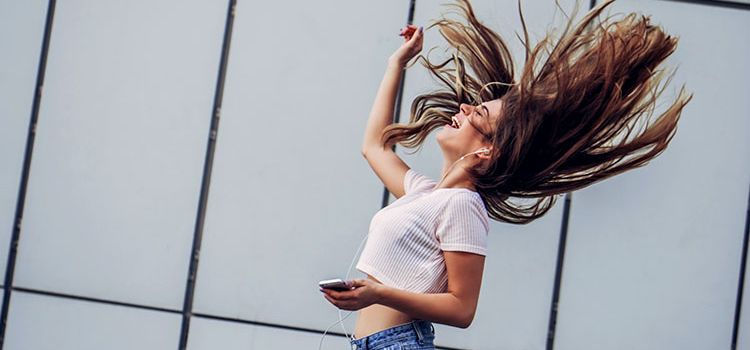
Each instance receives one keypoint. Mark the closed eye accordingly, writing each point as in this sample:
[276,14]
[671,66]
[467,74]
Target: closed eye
[484,109]
[485,117]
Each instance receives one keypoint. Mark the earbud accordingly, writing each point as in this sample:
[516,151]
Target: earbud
[485,151]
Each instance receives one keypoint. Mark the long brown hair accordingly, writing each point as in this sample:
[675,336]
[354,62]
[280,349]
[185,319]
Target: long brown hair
[579,113]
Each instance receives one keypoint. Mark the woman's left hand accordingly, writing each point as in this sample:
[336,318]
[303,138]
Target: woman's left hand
[365,293]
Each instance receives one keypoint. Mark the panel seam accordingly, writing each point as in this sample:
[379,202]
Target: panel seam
[21,199]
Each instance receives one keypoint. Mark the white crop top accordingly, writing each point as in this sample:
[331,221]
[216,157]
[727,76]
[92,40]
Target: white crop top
[407,238]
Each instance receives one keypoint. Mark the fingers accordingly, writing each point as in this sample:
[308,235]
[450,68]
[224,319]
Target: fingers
[333,301]
[344,305]
[358,283]
[410,32]
[348,295]
[415,42]
[417,35]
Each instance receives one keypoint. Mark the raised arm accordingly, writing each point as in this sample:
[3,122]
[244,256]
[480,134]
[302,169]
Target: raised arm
[383,160]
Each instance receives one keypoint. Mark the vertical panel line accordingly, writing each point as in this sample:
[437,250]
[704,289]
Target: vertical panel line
[558,272]
[21,199]
[741,283]
[562,245]
[187,308]
[399,97]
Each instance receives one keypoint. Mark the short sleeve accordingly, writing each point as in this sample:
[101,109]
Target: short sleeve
[464,224]
[415,182]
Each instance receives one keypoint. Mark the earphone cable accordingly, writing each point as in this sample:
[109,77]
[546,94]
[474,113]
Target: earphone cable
[341,319]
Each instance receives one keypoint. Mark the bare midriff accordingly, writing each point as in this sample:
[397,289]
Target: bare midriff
[376,318]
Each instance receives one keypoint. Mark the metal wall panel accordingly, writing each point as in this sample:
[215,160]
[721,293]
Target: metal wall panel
[654,254]
[291,195]
[41,322]
[119,152]
[208,334]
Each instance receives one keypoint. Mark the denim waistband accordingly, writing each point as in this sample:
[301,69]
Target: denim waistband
[418,329]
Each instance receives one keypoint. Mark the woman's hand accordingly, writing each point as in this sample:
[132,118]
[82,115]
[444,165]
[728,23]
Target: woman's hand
[411,47]
[363,294]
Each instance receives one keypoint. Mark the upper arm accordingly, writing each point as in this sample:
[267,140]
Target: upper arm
[388,167]
[465,279]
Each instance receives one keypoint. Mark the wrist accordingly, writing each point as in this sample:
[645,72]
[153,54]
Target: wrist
[396,63]
[380,293]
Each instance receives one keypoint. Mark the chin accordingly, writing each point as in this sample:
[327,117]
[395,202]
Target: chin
[440,137]
[444,143]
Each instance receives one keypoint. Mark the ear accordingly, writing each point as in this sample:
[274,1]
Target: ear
[487,155]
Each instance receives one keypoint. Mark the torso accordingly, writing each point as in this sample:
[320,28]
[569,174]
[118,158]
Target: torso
[376,318]
[406,231]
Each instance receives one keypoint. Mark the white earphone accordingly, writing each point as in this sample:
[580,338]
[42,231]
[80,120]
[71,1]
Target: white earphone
[485,151]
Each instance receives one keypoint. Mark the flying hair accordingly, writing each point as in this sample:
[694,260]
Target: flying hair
[580,111]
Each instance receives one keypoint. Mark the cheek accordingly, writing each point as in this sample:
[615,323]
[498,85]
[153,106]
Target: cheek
[465,135]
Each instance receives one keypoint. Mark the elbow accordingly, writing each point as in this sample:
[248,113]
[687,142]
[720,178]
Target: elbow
[465,320]
[465,323]
[366,149]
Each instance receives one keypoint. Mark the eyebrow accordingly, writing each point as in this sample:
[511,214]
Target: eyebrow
[486,118]
[486,110]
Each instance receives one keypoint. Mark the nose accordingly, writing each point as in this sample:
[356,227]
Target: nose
[465,109]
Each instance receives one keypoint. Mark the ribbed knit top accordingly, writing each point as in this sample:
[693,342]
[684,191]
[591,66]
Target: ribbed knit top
[407,238]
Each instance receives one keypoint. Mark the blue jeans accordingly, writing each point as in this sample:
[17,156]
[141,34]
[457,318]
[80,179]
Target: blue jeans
[415,335]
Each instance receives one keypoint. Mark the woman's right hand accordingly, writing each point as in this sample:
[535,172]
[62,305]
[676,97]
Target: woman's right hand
[411,47]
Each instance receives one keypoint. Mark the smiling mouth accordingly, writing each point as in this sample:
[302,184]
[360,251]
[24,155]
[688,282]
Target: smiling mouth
[455,123]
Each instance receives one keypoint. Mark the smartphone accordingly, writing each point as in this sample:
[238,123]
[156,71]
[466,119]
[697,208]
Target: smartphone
[335,284]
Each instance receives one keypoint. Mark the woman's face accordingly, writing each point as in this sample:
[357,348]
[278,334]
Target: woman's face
[472,129]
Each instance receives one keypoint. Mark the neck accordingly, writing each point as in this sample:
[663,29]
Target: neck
[454,174]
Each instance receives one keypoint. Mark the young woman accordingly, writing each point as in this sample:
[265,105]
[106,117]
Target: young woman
[577,114]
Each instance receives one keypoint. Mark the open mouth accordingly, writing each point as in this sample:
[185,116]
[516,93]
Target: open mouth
[455,123]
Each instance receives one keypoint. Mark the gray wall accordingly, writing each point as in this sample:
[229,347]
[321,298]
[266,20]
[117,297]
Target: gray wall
[652,258]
